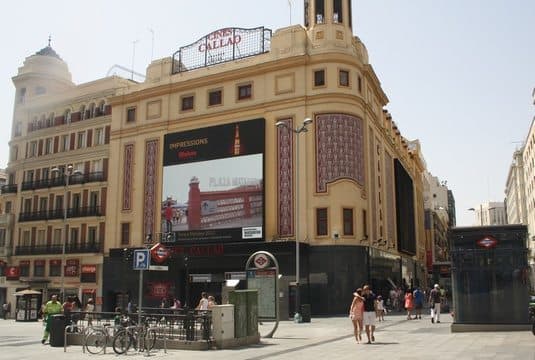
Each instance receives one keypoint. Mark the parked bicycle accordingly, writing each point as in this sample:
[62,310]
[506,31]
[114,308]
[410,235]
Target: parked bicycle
[140,337]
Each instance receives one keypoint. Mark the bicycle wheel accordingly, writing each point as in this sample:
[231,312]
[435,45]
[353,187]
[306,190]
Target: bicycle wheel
[149,339]
[121,342]
[95,341]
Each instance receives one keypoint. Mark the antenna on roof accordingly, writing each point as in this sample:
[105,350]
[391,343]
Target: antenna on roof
[290,5]
[152,45]
[133,55]
[49,40]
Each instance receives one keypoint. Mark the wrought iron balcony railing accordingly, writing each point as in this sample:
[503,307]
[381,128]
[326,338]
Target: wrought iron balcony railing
[59,213]
[70,248]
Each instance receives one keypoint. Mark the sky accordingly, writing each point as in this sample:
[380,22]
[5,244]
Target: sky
[459,74]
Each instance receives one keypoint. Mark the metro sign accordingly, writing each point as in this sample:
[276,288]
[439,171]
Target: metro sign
[261,261]
[487,242]
[159,253]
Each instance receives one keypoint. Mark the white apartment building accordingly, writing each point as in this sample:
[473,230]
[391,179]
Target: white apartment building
[515,191]
[490,213]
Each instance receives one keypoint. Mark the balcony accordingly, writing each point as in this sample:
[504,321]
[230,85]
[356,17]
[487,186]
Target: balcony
[59,213]
[9,189]
[70,248]
[96,176]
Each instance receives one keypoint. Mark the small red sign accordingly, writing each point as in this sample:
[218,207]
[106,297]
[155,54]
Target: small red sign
[159,253]
[159,289]
[12,273]
[487,242]
[89,269]
[71,269]
[261,261]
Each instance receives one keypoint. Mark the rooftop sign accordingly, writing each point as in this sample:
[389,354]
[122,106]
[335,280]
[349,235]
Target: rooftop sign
[220,46]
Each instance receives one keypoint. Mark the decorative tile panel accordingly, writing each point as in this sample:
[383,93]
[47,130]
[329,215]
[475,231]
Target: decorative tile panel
[285,180]
[128,176]
[339,149]
[151,171]
[373,194]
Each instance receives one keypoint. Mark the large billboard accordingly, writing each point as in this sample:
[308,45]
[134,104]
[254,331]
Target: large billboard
[213,183]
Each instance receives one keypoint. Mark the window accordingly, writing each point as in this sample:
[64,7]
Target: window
[320,11]
[32,152]
[56,240]
[22,95]
[319,78]
[343,78]
[49,142]
[348,221]
[93,199]
[81,140]
[67,116]
[14,153]
[359,84]
[99,136]
[92,235]
[39,268]
[74,239]
[26,238]
[8,207]
[96,165]
[2,237]
[321,222]
[337,11]
[245,91]
[364,224]
[24,267]
[55,268]
[215,97]
[18,128]
[125,233]
[43,202]
[65,143]
[187,103]
[131,114]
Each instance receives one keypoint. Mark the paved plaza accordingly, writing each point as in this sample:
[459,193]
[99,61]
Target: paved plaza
[324,338]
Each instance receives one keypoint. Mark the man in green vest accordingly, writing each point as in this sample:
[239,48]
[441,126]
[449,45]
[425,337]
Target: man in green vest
[52,307]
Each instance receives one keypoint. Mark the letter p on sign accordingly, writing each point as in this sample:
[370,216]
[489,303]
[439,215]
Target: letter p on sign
[141,259]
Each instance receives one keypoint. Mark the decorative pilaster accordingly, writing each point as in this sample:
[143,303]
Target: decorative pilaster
[285,180]
[128,176]
[151,171]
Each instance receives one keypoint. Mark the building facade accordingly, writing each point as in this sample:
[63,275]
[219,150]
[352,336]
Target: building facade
[490,213]
[348,189]
[515,191]
[54,203]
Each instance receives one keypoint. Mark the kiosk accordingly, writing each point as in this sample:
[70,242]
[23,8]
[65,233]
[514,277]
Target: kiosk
[28,304]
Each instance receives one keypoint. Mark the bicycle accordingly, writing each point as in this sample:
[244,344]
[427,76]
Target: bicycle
[141,337]
[95,339]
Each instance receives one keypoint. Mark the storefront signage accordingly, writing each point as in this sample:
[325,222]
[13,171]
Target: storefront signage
[487,242]
[220,46]
[89,269]
[159,289]
[235,275]
[200,278]
[72,267]
[12,272]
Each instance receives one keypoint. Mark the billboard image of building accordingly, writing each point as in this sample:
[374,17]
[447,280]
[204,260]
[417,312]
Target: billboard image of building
[213,183]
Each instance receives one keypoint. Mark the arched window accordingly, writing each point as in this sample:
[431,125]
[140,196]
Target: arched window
[67,116]
[50,121]
[101,107]
[91,110]
[82,112]
[320,11]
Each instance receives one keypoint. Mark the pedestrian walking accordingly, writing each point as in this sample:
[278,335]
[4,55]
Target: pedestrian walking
[356,313]
[434,303]
[409,303]
[418,296]
[52,307]
[380,308]
[203,302]
[369,313]
[89,308]
[4,310]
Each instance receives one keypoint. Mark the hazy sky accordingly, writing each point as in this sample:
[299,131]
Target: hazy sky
[459,74]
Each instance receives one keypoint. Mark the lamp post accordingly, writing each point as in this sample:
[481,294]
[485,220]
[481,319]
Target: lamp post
[298,130]
[67,173]
[481,213]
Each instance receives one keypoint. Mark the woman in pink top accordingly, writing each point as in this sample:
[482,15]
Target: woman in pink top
[356,312]
[409,303]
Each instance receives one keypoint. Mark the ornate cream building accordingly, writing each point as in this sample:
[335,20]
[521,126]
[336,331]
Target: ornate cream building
[348,189]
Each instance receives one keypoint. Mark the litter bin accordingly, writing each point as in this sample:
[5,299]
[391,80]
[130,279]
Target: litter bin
[57,330]
[305,313]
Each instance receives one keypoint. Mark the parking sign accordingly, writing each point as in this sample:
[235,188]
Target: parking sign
[141,259]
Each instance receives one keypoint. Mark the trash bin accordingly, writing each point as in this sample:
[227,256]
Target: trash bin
[57,330]
[305,313]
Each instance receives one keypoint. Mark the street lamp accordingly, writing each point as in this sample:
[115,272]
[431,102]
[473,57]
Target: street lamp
[67,173]
[298,130]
